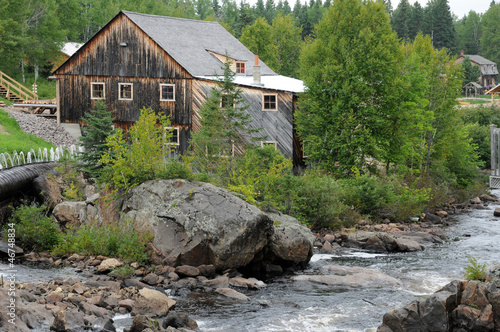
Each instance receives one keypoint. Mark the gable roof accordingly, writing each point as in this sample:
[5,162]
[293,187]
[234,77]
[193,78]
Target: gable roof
[188,42]
[487,67]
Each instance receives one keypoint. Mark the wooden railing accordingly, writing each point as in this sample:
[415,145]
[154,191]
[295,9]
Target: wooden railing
[16,88]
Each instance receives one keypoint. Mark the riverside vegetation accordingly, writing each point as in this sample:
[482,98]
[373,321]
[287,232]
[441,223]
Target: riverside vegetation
[385,142]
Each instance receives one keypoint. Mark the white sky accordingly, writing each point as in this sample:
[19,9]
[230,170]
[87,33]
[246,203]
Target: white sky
[457,7]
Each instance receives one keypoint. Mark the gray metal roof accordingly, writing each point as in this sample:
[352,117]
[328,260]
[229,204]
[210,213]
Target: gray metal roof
[188,42]
[487,67]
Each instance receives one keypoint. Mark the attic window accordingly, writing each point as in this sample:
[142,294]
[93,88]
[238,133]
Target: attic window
[97,91]
[167,92]
[269,102]
[126,91]
[240,67]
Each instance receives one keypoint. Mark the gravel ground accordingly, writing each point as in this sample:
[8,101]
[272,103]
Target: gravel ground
[41,127]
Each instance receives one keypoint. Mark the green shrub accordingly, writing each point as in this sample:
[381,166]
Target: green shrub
[34,229]
[143,157]
[112,239]
[123,272]
[366,193]
[319,202]
[474,270]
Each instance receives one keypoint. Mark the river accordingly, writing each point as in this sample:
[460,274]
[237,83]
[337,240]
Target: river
[296,306]
[299,306]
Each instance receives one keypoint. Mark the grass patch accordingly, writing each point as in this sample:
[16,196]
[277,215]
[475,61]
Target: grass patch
[12,138]
[112,239]
[6,101]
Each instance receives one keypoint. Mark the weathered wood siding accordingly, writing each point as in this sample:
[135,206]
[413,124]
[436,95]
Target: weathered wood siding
[76,100]
[276,125]
[142,62]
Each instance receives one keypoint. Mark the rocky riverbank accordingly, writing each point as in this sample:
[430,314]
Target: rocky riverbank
[90,303]
[459,306]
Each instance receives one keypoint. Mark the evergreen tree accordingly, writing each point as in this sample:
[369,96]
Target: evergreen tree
[351,72]
[245,18]
[260,9]
[224,129]
[416,20]
[400,19]
[97,126]
[286,8]
[269,11]
[439,24]
[471,72]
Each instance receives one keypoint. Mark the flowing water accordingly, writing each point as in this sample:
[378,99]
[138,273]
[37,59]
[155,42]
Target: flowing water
[300,306]
[297,306]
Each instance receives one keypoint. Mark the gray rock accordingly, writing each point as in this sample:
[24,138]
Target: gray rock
[70,212]
[231,293]
[178,320]
[292,243]
[152,303]
[345,276]
[7,249]
[196,223]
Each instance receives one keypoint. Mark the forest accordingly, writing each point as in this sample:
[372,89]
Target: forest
[381,132]
[32,31]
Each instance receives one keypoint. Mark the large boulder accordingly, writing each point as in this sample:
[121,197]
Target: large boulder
[292,244]
[152,303]
[459,306]
[196,223]
[72,213]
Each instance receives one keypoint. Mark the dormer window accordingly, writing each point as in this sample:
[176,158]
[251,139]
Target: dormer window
[240,67]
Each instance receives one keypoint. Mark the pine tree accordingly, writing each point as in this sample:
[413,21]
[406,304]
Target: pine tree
[98,125]
[400,19]
[471,72]
[416,20]
[439,24]
[224,130]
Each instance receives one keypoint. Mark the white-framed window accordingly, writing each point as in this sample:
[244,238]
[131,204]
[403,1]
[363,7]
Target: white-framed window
[174,139]
[226,101]
[271,143]
[167,92]
[125,91]
[97,90]
[270,102]
[240,67]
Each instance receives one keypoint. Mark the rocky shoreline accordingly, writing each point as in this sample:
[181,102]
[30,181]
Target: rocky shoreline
[91,302]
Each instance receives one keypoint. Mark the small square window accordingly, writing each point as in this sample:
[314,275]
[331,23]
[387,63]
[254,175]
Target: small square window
[269,103]
[125,91]
[174,139]
[167,92]
[227,101]
[97,91]
[240,67]
[274,144]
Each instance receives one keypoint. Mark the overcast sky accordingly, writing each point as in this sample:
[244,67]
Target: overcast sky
[457,7]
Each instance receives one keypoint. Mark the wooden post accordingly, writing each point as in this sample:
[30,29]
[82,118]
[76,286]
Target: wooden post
[493,148]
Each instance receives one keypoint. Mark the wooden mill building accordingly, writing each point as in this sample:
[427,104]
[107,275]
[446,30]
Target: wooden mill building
[170,65]
[489,70]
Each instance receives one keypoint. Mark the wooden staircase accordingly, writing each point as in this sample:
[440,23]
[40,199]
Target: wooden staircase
[14,91]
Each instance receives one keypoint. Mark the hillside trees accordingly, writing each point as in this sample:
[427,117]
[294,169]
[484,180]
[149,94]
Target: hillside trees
[490,37]
[438,24]
[469,33]
[351,70]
